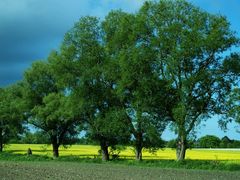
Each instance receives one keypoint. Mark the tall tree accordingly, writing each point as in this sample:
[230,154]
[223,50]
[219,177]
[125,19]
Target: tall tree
[49,107]
[190,46]
[140,90]
[11,113]
[85,70]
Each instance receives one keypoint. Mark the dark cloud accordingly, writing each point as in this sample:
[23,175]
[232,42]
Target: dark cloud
[30,29]
[10,74]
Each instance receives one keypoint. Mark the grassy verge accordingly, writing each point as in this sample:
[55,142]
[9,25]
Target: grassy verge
[187,164]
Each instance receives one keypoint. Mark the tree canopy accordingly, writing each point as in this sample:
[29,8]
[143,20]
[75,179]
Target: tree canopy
[49,107]
[190,44]
[12,113]
[123,79]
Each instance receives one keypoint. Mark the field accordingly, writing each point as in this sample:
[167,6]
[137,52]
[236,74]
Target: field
[73,170]
[128,153]
[83,162]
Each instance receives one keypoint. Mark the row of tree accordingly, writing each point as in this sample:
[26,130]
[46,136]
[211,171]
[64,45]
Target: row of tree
[129,76]
[211,141]
[208,141]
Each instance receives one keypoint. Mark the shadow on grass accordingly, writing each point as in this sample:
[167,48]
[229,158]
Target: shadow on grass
[160,163]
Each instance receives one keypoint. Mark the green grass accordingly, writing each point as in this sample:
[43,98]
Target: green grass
[87,155]
[187,164]
[92,151]
[74,170]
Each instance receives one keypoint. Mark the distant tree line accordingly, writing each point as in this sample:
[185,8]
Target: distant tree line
[208,141]
[124,79]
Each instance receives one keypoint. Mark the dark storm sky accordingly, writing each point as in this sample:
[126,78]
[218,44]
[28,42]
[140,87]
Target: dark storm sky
[30,29]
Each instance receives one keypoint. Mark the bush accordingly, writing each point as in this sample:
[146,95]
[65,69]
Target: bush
[172,144]
[209,141]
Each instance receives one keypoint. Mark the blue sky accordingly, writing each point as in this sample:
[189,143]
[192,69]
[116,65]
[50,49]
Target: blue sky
[30,29]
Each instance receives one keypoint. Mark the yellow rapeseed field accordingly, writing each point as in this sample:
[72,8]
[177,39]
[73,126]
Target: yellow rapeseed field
[91,151]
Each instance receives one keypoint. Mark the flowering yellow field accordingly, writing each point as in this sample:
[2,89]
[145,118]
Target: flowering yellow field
[91,151]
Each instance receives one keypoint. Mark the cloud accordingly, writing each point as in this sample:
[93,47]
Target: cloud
[30,29]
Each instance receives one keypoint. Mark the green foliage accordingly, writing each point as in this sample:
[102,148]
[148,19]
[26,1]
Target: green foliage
[138,87]
[228,143]
[39,81]
[90,82]
[37,137]
[232,144]
[12,110]
[125,78]
[232,108]
[172,144]
[55,118]
[188,45]
[49,107]
[209,141]
[232,64]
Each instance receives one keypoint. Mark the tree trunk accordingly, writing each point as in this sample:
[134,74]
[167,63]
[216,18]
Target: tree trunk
[104,150]
[1,140]
[55,150]
[181,148]
[139,147]
[139,153]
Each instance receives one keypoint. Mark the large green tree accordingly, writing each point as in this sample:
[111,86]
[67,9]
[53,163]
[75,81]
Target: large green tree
[140,90]
[11,113]
[49,107]
[190,45]
[85,70]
